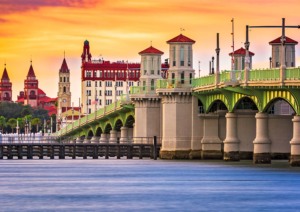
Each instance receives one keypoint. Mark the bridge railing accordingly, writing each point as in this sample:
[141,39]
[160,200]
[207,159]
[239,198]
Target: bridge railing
[228,76]
[204,81]
[142,89]
[292,73]
[174,83]
[264,75]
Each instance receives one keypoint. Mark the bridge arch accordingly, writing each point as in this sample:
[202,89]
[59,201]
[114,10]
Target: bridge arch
[217,105]
[129,121]
[90,133]
[107,128]
[98,132]
[118,124]
[212,99]
[274,105]
[245,103]
[271,96]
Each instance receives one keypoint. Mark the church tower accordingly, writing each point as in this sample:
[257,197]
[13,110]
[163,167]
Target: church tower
[64,93]
[31,85]
[5,87]
[86,55]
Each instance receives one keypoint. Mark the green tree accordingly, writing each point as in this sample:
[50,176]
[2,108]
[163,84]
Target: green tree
[2,123]
[12,122]
[21,123]
[36,122]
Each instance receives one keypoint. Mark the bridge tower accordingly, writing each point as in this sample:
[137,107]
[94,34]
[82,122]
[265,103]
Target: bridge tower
[177,100]
[5,87]
[64,93]
[147,102]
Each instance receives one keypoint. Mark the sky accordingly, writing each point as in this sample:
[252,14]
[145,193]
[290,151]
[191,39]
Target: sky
[42,30]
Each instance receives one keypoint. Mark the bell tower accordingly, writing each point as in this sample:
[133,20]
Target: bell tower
[64,93]
[31,85]
[5,87]
[86,55]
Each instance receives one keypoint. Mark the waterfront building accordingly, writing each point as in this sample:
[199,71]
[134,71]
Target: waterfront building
[290,56]
[5,87]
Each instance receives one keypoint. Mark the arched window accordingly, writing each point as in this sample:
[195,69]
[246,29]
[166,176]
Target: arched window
[64,89]
[64,79]
[152,84]
[145,65]
[60,79]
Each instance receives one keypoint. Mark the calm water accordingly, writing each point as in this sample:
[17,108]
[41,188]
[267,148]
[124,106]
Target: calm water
[147,185]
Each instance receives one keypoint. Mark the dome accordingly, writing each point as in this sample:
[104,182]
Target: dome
[86,42]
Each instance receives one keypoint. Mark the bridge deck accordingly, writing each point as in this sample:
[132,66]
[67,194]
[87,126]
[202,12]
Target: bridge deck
[41,150]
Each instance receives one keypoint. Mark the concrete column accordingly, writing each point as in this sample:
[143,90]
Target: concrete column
[295,142]
[211,143]
[86,141]
[231,142]
[78,140]
[113,136]
[262,143]
[103,138]
[124,135]
[94,140]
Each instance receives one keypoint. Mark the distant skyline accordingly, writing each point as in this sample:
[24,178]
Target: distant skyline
[42,30]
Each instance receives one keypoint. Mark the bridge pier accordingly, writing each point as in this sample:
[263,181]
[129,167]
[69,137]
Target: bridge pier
[211,143]
[295,143]
[103,138]
[262,143]
[86,140]
[124,135]
[231,142]
[78,140]
[113,137]
[94,140]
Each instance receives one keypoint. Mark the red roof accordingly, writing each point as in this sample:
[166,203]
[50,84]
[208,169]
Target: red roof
[241,51]
[287,40]
[41,92]
[64,67]
[31,72]
[181,39]
[5,75]
[151,50]
[20,100]
[51,109]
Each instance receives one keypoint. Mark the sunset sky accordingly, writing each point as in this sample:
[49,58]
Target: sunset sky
[42,30]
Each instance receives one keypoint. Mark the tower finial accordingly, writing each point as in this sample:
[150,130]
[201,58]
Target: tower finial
[150,42]
[4,63]
[64,54]
[30,59]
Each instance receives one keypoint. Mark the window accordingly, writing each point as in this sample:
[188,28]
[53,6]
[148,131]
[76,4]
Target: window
[64,89]
[108,83]
[181,56]
[182,77]
[100,84]
[145,65]
[189,56]
[95,74]
[60,79]
[88,74]
[191,77]
[173,78]
[88,92]
[88,83]
[64,79]
[174,56]
[100,73]
[67,79]
[152,84]
[144,85]
[100,93]
[100,101]
[90,111]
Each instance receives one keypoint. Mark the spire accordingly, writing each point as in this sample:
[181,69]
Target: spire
[31,71]
[5,75]
[64,67]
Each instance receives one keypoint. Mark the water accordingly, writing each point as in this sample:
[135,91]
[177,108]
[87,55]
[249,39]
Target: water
[147,185]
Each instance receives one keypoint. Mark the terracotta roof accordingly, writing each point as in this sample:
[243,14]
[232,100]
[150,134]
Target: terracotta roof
[51,109]
[287,40]
[64,67]
[241,51]
[31,72]
[41,92]
[5,75]
[151,50]
[20,100]
[181,39]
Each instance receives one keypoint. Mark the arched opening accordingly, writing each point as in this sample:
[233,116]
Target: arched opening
[64,90]
[217,106]
[279,106]
[107,129]
[98,132]
[200,107]
[245,103]
[129,121]
[64,79]
[118,125]
[90,134]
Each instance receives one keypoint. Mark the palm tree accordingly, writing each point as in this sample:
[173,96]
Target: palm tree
[36,122]
[12,122]
[21,123]
[2,123]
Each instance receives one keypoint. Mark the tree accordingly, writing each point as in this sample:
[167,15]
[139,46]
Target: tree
[2,123]
[21,123]
[36,122]
[12,122]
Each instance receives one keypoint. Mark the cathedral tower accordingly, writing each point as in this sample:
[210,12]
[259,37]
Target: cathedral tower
[31,85]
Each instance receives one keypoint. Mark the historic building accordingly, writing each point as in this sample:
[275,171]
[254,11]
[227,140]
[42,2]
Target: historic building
[5,87]
[64,92]
[290,56]
[34,96]
[104,82]
[239,58]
